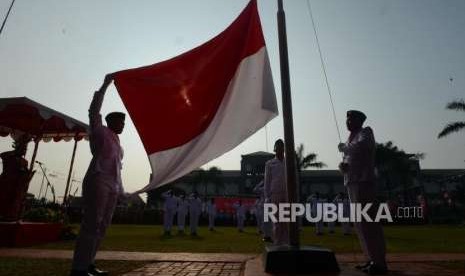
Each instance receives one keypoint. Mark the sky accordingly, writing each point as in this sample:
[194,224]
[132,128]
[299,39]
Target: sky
[391,59]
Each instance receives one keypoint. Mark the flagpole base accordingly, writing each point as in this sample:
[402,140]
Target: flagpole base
[299,260]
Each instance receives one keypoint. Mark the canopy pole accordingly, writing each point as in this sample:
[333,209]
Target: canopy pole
[288,122]
[34,155]
[65,197]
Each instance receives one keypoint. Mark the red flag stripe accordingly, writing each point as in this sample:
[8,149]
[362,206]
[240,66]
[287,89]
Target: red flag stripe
[174,101]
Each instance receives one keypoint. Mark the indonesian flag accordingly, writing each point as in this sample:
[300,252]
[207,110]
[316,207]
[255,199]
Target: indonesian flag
[197,106]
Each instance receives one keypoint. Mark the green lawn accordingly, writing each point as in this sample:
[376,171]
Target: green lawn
[53,267]
[414,239]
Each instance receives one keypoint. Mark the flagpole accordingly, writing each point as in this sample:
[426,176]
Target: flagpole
[288,121]
[293,258]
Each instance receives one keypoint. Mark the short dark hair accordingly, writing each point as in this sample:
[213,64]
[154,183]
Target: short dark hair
[115,116]
[278,142]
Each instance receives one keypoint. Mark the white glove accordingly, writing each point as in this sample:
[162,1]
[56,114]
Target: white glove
[341,147]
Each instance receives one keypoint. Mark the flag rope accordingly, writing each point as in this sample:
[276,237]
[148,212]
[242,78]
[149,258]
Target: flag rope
[6,17]
[323,66]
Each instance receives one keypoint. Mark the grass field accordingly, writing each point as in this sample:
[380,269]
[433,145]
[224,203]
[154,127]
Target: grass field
[149,238]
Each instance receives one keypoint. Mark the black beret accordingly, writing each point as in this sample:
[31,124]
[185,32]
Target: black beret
[356,114]
[115,115]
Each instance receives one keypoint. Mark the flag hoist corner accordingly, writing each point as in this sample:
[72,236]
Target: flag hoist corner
[197,106]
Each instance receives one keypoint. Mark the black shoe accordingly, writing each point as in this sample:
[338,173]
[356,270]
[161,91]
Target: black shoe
[93,270]
[267,239]
[79,273]
[362,266]
[374,269]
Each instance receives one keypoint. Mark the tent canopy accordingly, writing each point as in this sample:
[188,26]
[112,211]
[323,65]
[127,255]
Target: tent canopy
[21,115]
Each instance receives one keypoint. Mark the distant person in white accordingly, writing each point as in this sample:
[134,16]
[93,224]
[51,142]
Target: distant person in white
[211,212]
[342,199]
[358,167]
[265,227]
[195,209]
[102,183]
[169,210]
[240,215]
[276,190]
[258,211]
[183,207]
[315,200]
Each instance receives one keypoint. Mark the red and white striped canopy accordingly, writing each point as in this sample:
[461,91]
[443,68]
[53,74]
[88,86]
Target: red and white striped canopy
[21,115]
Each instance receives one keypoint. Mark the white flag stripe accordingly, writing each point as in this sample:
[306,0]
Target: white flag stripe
[241,114]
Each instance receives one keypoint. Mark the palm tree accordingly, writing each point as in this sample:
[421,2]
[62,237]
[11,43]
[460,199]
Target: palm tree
[458,105]
[307,161]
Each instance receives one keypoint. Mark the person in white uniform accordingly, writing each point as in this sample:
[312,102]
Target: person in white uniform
[102,183]
[183,207]
[276,190]
[211,212]
[332,224]
[341,200]
[240,215]
[169,210]
[195,209]
[358,167]
[258,212]
[315,200]
[265,227]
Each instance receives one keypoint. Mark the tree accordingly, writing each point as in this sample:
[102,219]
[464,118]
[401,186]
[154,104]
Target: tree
[214,176]
[205,177]
[452,127]
[307,161]
[198,179]
[395,166]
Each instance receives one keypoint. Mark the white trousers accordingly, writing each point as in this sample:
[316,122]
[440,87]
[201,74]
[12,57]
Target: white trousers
[181,220]
[370,234]
[211,221]
[280,229]
[99,205]
[259,219]
[194,221]
[240,222]
[168,217]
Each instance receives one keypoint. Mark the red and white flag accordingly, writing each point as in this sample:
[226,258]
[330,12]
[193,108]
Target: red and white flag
[197,106]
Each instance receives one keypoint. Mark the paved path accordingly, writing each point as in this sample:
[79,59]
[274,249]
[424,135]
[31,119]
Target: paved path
[215,257]
[189,269]
[130,256]
[225,264]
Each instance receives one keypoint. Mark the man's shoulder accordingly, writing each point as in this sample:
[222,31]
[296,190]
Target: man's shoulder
[7,154]
[271,161]
[367,130]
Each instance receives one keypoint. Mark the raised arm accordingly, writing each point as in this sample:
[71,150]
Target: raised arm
[95,118]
